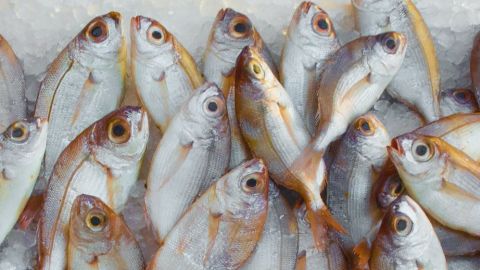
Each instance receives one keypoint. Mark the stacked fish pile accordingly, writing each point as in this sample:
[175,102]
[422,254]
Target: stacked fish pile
[346,156]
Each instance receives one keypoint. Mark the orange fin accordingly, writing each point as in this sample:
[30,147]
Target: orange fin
[31,212]
[320,220]
[361,254]
[308,164]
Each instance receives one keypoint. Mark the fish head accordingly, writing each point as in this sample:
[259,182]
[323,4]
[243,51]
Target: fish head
[391,189]
[383,6]
[121,136]
[369,137]
[101,41]
[244,190]
[458,100]
[151,40]
[24,140]
[386,53]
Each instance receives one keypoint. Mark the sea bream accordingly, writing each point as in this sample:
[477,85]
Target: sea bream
[83,84]
[164,72]
[310,41]
[103,161]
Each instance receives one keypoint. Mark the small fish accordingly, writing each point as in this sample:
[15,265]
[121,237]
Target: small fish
[309,257]
[274,131]
[475,67]
[441,178]
[103,161]
[13,105]
[164,72]
[358,162]
[278,245]
[22,147]
[100,239]
[193,152]
[406,240]
[83,84]
[221,229]
[459,100]
[231,32]
[417,83]
[311,39]
[463,262]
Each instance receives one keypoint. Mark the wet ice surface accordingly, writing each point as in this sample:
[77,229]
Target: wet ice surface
[39,30]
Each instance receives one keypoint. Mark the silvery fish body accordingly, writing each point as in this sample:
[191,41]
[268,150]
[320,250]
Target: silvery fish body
[83,84]
[475,67]
[193,152]
[165,74]
[458,100]
[103,161]
[463,262]
[13,104]
[310,41]
[22,147]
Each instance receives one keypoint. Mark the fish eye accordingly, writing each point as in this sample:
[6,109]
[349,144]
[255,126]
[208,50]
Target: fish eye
[364,126]
[18,132]
[155,35]
[390,43]
[98,31]
[118,131]
[396,189]
[240,27]
[214,107]
[256,70]
[462,96]
[252,183]
[95,221]
[321,24]
[402,225]
[421,151]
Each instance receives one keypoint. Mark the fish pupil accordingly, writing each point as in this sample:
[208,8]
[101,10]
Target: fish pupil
[240,28]
[322,24]
[95,221]
[401,225]
[391,44]
[212,106]
[251,182]
[118,130]
[96,31]
[365,126]
[421,150]
[157,35]
[17,133]
[460,95]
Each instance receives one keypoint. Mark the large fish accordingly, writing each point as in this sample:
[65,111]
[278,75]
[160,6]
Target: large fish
[103,161]
[359,159]
[458,100]
[221,229]
[278,245]
[475,67]
[100,239]
[310,41]
[230,33]
[164,72]
[13,105]
[441,178]
[83,84]
[193,152]
[418,81]
[406,240]
[274,131]
[22,147]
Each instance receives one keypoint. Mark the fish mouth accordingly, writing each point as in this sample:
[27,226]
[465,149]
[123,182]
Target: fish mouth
[257,165]
[116,17]
[395,145]
[221,14]
[306,5]
[136,22]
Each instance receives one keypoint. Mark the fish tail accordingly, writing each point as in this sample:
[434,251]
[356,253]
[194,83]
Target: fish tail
[308,164]
[361,255]
[320,220]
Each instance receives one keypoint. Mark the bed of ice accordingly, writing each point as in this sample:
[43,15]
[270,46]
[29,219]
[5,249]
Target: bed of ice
[39,29]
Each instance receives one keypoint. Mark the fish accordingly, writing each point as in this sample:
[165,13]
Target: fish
[193,152]
[99,238]
[351,177]
[223,226]
[309,257]
[278,244]
[230,33]
[441,178]
[103,161]
[164,72]
[475,67]
[460,100]
[463,262]
[83,84]
[310,41]
[406,240]
[417,83]
[13,105]
[22,146]
[274,131]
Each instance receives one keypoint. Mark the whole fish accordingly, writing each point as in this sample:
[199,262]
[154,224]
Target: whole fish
[221,229]
[406,240]
[278,244]
[441,178]
[83,84]
[463,262]
[475,67]
[164,72]
[458,100]
[103,161]
[231,32]
[22,147]
[311,39]
[13,105]
[359,159]
[193,152]
[274,131]
[100,239]
[309,257]
[418,80]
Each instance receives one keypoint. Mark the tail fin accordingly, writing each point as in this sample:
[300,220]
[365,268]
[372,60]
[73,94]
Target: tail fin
[308,164]
[361,255]
[320,220]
